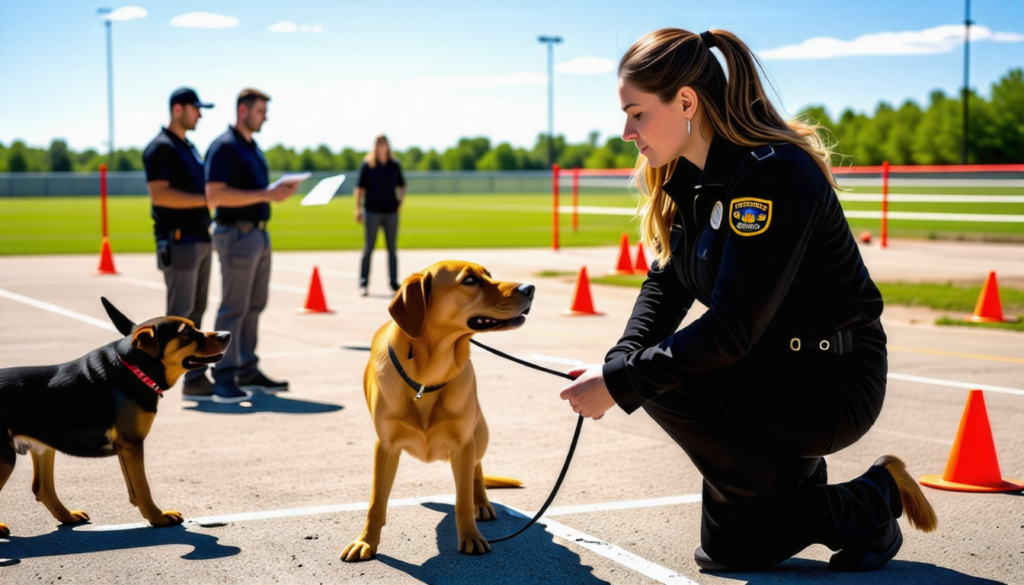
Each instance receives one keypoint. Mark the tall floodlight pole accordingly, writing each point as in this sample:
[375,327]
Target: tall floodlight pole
[104,13]
[967,73]
[551,42]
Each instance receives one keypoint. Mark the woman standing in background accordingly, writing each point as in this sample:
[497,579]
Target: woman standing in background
[380,191]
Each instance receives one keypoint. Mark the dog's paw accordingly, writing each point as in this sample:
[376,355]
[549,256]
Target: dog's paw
[167,518]
[474,545]
[4,530]
[358,550]
[485,513]
[75,517]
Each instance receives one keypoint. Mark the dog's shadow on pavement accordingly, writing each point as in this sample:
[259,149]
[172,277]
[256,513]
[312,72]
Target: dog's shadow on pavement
[806,571]
[532,558]
[67,541]
[265,403]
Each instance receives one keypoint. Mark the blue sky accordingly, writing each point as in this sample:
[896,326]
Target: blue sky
[429,72]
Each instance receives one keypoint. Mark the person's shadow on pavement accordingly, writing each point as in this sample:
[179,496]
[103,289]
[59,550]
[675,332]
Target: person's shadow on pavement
[68,541]
[532,558]
[265,403]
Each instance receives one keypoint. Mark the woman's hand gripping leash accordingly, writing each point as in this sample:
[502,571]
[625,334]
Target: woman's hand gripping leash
[587,394]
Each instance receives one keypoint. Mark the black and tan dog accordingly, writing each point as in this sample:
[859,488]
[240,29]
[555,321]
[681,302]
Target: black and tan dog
[421,390]
[99,405]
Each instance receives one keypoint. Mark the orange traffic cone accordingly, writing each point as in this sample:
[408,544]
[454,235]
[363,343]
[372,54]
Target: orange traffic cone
[640,267]
[582,302]
[315,301]
[624,264]
[106,259]
[972,465]
[989,309]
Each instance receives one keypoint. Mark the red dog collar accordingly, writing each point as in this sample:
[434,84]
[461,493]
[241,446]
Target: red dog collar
[142,376]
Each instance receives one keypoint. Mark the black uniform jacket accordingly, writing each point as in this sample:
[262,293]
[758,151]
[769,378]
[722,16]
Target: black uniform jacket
[759,239]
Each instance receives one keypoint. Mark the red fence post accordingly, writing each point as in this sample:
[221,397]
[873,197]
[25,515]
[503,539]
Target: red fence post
[554,197]
[575,199]
[885,204]
[103,199]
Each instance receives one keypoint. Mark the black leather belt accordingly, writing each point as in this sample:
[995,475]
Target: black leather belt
[245,225]
[837,342]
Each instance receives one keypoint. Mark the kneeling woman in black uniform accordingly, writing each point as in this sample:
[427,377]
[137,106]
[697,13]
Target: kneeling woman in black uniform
[788,364]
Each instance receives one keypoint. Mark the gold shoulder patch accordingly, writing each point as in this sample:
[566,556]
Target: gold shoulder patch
[749,216]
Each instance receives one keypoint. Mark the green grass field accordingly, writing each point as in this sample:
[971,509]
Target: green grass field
[71,225]
[990,231]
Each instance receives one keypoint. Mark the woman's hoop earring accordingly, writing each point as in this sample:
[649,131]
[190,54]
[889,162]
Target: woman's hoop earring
[687,127]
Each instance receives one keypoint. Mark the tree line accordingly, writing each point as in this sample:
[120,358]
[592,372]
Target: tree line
[906,135]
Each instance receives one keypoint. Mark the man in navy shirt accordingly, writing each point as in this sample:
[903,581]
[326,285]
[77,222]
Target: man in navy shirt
[176,184]
[236,184]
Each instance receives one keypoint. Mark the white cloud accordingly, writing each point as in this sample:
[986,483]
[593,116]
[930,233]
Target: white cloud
[204,20]
[930,41]
[585,66]
[290,27]
[128,13]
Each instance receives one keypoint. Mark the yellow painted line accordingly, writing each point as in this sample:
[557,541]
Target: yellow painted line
[973,356]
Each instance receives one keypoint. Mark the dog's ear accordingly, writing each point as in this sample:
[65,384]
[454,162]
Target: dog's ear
[409,308]
[123,324]
[145,339]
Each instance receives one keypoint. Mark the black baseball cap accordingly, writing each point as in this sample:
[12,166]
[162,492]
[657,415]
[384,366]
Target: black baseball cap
[187,95]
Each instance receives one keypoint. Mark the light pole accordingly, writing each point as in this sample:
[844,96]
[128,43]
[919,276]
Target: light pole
[104,13]
[967,70]
[551,42]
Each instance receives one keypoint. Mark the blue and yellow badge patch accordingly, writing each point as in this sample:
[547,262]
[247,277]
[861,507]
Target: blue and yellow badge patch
[750,216]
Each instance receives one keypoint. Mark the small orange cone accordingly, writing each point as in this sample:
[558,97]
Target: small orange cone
[989,309]
[640,267]
[106,259]
[582,302]
[972,465]
[315,301]
[624,264]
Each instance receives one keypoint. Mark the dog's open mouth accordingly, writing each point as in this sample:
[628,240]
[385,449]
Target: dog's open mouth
[485,323]
[196,361]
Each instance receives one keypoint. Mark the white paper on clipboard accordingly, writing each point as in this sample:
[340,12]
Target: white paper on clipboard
[290,178]
[322,193]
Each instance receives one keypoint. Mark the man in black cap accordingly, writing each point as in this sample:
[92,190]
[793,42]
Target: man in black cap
[176,183]
[237,182]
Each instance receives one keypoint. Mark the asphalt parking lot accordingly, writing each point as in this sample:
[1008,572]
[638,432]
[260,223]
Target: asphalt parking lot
[273,490]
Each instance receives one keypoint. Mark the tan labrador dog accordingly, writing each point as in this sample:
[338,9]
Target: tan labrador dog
[421,389]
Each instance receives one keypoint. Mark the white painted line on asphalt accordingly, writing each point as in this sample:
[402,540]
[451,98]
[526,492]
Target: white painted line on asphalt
[955,384]
[591,543]
[554,360]
[272,514]
[611,552]
[324,271]
[624,505]
[57,310]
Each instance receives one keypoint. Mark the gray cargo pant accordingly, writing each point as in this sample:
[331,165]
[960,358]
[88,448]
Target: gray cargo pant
[244,253]
[186,268]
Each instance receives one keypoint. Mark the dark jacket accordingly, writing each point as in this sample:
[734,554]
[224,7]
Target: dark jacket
[782,263]
[380,183]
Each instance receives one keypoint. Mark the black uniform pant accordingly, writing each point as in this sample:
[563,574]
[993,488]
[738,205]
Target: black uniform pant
[758,431]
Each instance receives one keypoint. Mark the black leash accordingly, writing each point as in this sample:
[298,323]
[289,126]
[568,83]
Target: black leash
[572,446]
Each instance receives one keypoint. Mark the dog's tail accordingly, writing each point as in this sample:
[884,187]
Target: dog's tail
[919,511]
[493,481]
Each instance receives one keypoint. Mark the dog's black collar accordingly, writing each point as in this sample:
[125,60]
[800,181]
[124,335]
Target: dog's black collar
[142,377]
[419,388]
